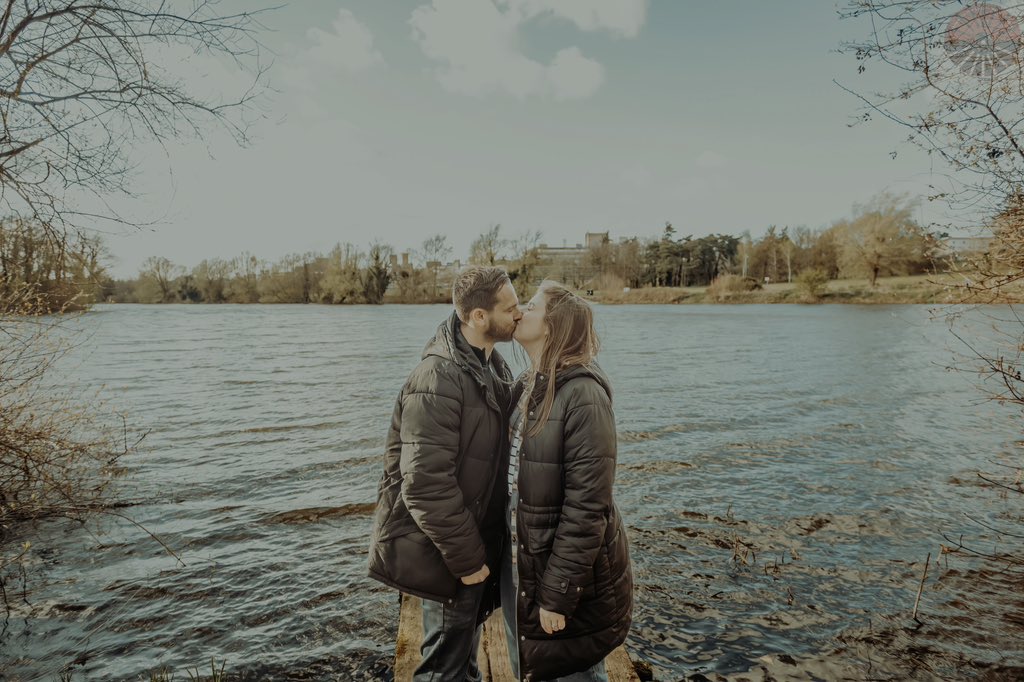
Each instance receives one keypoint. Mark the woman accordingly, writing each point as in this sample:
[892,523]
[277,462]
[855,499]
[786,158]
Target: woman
[567,584]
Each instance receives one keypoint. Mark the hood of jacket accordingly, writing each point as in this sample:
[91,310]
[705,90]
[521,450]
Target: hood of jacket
[562,377]
[592,370]
[450,344]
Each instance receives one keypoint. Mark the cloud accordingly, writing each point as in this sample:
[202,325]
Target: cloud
[573,76]
[347,46]
[622,17]
[345,50]
[476,42]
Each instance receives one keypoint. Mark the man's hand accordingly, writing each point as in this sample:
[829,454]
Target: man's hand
[551,622]
[477,577]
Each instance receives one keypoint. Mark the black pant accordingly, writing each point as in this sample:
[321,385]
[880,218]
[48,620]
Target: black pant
[451,638]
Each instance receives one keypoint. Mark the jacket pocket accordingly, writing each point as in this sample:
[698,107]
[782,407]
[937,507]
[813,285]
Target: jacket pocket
[540,540]
[398,527]
[599,579]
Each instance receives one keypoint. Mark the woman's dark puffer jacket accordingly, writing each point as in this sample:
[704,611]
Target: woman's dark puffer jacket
[572,546]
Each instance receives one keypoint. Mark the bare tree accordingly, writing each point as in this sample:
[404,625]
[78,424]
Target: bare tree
[243,286]
[435,251]
[881,239]
[963,97]
[488,248]
[159,273]
[377,274]
[295,278]
[788,247]
[525,259]
[82,85]
[58,274]
[342,278]
[211,279]
[57,459]
[765,255]
[745,249]
[436,248]
[963,103]
[629,260]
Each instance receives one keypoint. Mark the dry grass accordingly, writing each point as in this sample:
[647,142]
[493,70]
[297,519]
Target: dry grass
[942,288]
[649,295]
[725,287]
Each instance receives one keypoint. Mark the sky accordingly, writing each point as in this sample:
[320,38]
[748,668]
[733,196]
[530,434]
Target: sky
[397,120]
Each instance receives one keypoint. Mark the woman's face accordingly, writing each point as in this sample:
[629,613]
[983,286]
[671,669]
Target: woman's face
[531,328]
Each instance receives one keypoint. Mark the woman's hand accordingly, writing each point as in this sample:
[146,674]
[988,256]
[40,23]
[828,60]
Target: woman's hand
[551,622]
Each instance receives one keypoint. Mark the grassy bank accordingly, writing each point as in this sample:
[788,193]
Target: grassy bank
[888,290]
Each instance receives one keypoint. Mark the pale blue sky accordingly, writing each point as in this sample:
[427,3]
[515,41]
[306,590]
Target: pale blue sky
[397,120]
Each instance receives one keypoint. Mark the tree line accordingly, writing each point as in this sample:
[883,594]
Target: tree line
[880,239]
[346,274]
[43,270]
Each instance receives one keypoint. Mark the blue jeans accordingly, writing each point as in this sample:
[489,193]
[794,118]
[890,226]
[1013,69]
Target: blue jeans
[508,608]
[451,638]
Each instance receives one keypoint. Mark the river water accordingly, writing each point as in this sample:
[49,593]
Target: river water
[783,470]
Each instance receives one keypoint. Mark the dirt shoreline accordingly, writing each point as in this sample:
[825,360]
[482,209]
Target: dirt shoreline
[922,289]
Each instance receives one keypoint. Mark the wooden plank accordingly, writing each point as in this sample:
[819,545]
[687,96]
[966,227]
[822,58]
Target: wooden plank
[410,636]
[494,650]
[492,655]
[620,668]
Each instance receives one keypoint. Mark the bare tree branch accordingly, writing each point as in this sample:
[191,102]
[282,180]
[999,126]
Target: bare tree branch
[80,87]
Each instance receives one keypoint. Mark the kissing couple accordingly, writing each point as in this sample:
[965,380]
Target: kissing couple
[497,492]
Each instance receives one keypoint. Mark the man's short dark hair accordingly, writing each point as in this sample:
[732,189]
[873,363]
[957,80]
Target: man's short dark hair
[477,287]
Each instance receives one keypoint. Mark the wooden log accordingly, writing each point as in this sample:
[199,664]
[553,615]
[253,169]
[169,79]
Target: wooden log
[494,650]
[492,655]
[620,667]
[410,636]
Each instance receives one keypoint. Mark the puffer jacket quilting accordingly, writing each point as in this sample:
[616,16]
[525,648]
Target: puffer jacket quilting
[572,545]
[446,447]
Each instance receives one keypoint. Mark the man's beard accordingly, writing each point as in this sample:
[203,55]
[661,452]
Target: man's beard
[498,333]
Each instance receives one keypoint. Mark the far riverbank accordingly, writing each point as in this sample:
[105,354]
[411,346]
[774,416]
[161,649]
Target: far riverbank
[941,289]
[919,289]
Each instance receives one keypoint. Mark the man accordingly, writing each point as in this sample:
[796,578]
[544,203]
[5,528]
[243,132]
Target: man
[439,524]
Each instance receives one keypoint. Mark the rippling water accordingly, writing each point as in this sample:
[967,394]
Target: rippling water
[784,472]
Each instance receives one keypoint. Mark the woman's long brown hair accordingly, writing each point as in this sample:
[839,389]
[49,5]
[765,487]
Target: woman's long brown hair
[571,340]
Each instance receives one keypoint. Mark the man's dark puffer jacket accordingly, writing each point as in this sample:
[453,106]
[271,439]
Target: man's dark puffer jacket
[446,447]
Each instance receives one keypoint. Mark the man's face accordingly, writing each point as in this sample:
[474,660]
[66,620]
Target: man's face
[502,319]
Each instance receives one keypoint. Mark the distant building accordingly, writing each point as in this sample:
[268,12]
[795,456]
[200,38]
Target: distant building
[578,252]
[962,245]
[394,262]
[398,270]
[570,264]
[596,239]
